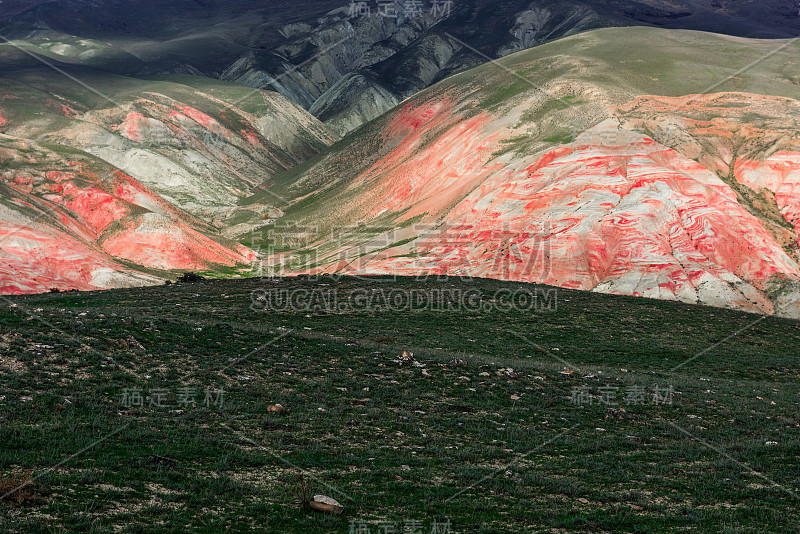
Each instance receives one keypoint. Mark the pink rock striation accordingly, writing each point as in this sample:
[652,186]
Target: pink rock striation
[67,228]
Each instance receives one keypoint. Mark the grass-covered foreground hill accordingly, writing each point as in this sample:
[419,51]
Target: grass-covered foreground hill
[571,412]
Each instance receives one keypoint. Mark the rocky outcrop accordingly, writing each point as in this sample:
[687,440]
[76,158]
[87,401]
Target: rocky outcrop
[314,57]
[540,23]
[38,253]
[613,212]
[757,158]
[407,53]
[351,102]
[778,174]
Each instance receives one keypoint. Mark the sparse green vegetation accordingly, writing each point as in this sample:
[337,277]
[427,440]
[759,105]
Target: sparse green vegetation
[501,96]
[559,139]
[515,144]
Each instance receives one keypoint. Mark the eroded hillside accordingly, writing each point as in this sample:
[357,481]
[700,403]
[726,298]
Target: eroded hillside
[563,166]
[125,181]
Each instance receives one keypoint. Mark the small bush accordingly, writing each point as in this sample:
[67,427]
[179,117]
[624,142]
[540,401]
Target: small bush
[190,277]
[18,489]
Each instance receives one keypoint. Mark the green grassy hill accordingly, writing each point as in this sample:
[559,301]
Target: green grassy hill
[503,421]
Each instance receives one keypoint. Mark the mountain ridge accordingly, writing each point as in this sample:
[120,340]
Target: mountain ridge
[303,49]
[553,115]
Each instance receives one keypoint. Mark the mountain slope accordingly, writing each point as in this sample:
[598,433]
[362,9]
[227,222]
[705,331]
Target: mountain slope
[70,221]
[110,181]
[564,166]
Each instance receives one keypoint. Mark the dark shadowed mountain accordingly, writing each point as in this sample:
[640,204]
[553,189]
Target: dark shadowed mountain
[347,62]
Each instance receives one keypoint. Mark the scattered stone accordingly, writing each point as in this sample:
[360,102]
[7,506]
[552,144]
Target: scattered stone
[132,344]
[616,413]
[322,503]
[276,408]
